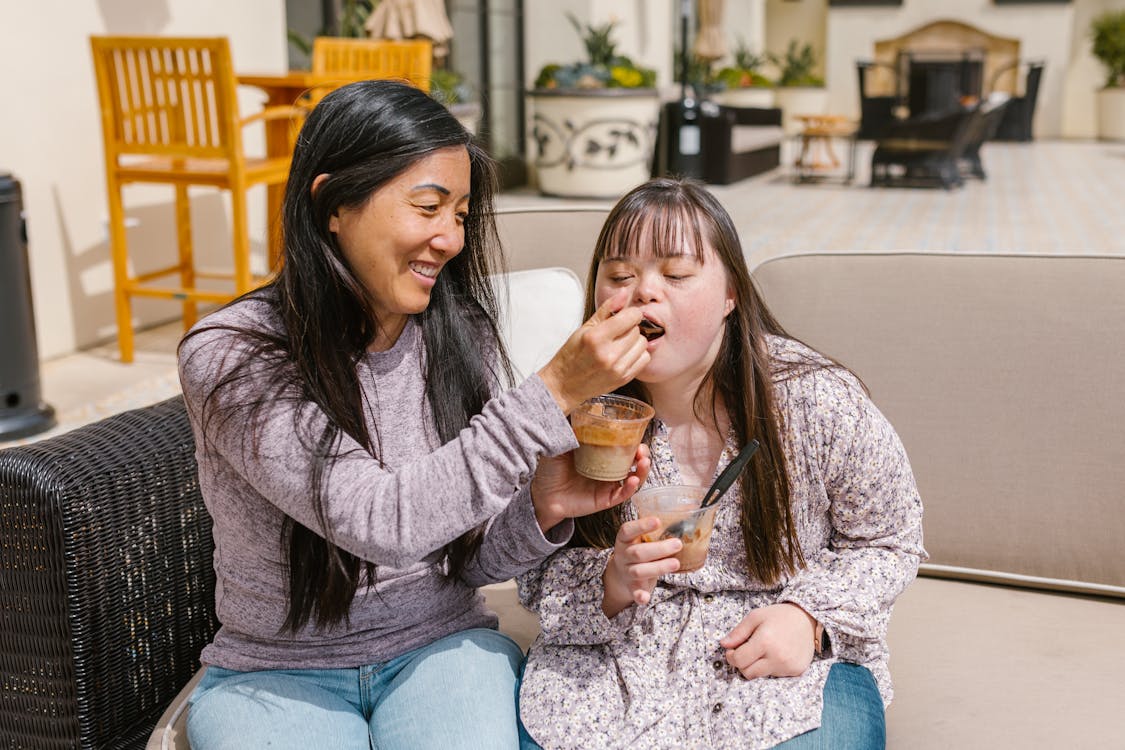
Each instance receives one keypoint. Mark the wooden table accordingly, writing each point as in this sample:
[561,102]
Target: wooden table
[284,89]
[817,156]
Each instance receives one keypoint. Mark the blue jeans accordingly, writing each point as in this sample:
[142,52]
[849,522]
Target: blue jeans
[458,692]
[852,718]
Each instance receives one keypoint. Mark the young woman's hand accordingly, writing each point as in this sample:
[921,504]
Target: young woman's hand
[774,641]
[635,566]
[605,353]
[558,491]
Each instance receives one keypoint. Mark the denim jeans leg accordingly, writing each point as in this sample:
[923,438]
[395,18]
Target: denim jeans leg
[853,717]
[458,693]
[295,709]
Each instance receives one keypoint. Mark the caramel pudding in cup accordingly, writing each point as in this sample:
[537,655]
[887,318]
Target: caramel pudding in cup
[677,507]
[609,430]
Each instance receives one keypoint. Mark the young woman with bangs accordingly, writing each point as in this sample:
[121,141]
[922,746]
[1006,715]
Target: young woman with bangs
[363,469]
[780,638]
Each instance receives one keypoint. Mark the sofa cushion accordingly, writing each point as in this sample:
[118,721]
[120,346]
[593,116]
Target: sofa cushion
[982,666]
[540,237]
[1002,374]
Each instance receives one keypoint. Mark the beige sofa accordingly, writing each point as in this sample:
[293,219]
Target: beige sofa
[1003,375]
[1005,378]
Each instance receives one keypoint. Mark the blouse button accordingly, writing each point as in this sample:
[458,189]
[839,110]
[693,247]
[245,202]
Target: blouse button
[717,664]
[717,708]
[709,598]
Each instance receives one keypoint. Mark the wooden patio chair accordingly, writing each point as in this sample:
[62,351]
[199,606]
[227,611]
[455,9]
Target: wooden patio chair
[410,60]
[170,116]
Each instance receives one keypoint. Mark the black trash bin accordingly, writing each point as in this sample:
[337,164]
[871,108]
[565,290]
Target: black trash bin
[22,411]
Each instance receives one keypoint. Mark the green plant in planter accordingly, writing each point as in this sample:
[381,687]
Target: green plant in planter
[797,65]
[449,87]
[1108,34]
[602,69]
[350,23]
[744,73]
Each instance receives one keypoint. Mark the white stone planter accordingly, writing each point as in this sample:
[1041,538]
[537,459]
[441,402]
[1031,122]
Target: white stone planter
[751,96]
[592,144]
[800,100]
[1111,114]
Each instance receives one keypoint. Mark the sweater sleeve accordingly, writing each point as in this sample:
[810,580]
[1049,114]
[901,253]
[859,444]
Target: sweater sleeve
[386,517]
[566,591]
[875,517]
[513,543]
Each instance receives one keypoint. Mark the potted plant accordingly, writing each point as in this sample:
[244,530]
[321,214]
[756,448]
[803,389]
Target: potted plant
[799,90]
[594,122]
[742,84]
[1107,32]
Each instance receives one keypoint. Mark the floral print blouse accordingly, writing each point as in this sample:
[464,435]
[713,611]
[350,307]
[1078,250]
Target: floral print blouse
[655,676]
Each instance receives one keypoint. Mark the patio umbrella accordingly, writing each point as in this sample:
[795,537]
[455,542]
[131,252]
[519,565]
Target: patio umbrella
[709,41]
[406,19]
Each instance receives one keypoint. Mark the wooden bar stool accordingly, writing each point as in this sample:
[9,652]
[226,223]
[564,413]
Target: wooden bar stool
[170,116]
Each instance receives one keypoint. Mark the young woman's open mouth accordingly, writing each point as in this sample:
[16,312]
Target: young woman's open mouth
[650,330]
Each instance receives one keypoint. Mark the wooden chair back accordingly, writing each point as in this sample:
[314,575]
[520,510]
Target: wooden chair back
[410,59]
[164,96]
[170,116]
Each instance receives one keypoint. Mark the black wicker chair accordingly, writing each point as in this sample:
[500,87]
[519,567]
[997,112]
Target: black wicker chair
[1016,124]
[992,112]
[106,580]
[925,151]
[877,113]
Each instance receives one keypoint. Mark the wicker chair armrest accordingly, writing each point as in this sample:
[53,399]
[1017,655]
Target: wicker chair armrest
[107,578]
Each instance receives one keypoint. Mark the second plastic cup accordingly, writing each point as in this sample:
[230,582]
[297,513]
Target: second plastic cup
[609,429]
[677,507]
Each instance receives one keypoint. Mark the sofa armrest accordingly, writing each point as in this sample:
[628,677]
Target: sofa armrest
[107,579]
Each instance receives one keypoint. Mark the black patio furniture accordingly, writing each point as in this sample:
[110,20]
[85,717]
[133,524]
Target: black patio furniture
[984,130]
[878,111]
[1016,124]
[107,580]
[940,81]
[925,151]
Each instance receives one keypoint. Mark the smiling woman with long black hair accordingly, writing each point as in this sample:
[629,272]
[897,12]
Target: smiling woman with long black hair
[363,469]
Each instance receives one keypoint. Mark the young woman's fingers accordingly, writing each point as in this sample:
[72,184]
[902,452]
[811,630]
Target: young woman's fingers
[631,531]
[645,552]
[742,631]
[761,668]
[745,655]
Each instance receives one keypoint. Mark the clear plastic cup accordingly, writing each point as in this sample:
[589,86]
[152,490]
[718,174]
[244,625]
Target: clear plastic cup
[677,507]
[609,429]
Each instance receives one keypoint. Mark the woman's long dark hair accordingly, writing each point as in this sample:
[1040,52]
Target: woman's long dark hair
[362,136]
[663,216]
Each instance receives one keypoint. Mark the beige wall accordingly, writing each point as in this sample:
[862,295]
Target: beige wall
[805,21]
[50,139]
[1083,75]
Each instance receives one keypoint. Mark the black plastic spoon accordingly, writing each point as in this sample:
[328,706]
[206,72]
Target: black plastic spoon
[686,528]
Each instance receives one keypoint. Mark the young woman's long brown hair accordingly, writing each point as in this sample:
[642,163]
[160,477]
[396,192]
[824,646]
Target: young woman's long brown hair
[681,213]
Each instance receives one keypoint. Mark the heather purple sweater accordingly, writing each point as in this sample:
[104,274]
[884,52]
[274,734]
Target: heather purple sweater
[397,513]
